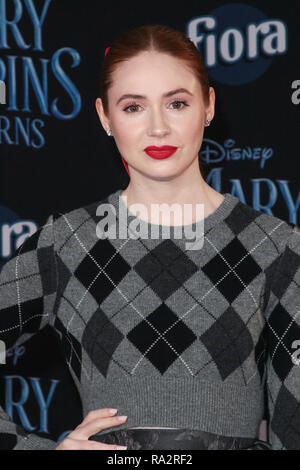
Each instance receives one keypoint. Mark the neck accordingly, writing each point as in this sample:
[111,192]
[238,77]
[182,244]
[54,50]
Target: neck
[166,193]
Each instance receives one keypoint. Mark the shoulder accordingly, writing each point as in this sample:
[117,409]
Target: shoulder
[269,231]
[77,222]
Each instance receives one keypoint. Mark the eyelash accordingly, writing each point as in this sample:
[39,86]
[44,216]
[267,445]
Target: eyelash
[135,104]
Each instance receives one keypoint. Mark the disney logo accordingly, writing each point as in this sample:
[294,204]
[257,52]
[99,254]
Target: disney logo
[212,152]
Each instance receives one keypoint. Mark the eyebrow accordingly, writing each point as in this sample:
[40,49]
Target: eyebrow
[169,93]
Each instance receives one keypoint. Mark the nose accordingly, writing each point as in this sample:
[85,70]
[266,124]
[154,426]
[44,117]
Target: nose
[158,125]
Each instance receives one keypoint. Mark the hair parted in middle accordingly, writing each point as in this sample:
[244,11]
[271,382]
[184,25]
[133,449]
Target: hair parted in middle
[151,37]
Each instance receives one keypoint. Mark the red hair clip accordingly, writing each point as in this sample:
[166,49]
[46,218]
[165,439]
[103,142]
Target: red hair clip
[106,50]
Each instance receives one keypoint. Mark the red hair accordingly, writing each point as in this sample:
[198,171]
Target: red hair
[159,38]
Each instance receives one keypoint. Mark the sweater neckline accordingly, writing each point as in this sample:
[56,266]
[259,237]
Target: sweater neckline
[215,217]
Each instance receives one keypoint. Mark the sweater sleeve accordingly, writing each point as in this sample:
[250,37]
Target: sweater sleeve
[282,314]
[28,285]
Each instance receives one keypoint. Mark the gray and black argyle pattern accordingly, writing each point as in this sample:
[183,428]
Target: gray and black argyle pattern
[169,336]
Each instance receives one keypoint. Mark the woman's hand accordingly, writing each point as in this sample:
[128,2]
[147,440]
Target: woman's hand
[94,422]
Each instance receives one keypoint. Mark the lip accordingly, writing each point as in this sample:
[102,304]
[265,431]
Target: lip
[164,151]
[163,147]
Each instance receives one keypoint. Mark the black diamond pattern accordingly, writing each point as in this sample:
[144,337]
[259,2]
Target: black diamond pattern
[231,286]
[228,341]
[286,419]
[288,268]
[152,270]
[279,322]
[28,310]
[270,272]
[161,355]
[100,339]
[116,269]
[240,217]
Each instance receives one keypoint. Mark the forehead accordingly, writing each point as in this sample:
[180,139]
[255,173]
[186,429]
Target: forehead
[152,71]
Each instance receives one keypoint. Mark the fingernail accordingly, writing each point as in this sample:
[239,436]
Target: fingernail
[112,410]
[121,447]
[121,418]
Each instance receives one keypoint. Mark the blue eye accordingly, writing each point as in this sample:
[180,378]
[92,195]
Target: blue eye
[134,105]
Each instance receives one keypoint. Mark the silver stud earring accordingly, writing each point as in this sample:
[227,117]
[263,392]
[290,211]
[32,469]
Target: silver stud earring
[109,132]
[207,122]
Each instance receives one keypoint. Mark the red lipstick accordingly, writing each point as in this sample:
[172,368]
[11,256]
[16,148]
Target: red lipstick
[164,151]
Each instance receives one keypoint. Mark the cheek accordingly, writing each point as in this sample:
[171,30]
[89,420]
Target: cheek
[127,136]
[191,130]
[127,127]
[123,130]
[192,120]
[193,137]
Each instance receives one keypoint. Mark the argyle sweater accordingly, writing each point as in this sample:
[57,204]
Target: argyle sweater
[169,335]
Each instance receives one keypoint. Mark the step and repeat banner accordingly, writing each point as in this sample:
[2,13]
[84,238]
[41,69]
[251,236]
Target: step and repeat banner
[55,155]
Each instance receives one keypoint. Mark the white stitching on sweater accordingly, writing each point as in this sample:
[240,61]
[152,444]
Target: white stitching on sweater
[160,336]
[17,279]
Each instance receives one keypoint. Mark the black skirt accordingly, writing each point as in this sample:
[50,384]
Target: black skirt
[172,439]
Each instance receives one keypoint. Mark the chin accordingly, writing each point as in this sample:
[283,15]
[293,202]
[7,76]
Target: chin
[161,174]
[164,177]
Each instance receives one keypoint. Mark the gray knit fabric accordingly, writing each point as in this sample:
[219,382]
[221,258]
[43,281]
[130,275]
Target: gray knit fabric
[170,336]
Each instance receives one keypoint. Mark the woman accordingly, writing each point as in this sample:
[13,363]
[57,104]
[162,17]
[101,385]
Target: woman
[180,338]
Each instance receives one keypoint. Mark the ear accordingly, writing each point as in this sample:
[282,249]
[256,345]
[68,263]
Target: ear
[210,110]
[103,118]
